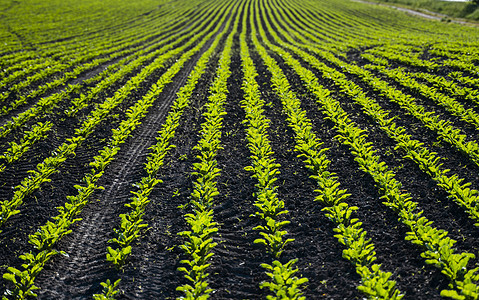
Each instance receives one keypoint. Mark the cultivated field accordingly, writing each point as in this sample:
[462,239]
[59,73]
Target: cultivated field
[236,149]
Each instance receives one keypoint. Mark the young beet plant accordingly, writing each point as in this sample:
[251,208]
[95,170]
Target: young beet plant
[284,283]
[199,242]
[24,280]
[110,290]
[198,246]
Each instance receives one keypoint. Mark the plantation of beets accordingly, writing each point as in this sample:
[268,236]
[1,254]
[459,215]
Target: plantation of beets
[237,149]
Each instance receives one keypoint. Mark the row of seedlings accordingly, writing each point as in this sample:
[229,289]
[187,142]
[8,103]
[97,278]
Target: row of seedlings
[283,284]
[459,62]
[18,149]
[463,79]
[58,63]
[439,83]
[132,222]
[15,150]
[449,86]
[427,160]
[455,50]
[52,163]
[359,250]
[199,244]
[103,56]
[438,248]
[450,104]
[406,55]
[48,235]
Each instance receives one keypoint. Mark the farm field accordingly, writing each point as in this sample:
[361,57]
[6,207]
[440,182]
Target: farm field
[237,149]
